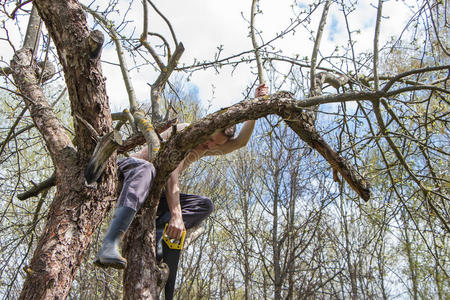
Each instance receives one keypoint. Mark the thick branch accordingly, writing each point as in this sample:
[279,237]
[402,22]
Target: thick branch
[34,27]
[34,191]
[26,72]
[149,133]
[139,139]
[336,161]
[158,86]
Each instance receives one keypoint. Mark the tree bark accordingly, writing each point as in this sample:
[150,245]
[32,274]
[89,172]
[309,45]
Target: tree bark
[76,210]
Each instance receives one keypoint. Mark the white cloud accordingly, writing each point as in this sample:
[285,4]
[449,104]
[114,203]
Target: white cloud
[202,26]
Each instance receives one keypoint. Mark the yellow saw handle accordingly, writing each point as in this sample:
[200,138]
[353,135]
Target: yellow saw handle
[173,243]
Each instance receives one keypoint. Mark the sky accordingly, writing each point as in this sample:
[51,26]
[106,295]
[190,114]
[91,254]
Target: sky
[202,26]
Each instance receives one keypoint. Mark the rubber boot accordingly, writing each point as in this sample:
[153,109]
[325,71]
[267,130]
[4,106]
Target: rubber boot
[108,255]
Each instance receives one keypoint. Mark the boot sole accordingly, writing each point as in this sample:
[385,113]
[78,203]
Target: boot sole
[113,263]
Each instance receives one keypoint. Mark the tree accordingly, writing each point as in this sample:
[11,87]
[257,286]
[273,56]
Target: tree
[384,103]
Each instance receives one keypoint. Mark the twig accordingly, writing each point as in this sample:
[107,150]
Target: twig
[412,72]
[323,21]
[435,29]
[375,45]
[11,130]
[18,6]
[255,44]
[143,39]
[167,22]
[402,160]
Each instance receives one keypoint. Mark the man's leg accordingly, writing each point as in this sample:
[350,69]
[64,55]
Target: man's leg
[138,175]
[194,210]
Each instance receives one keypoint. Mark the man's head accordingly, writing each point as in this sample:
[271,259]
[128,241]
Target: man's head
[229,132]
[219,138]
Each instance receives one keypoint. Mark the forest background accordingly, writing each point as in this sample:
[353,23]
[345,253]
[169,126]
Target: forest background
[286,224]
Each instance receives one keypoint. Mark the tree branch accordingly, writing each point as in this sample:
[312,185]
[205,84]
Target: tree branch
[38,188]
[412,72]
[25,72]
[402,160]
[167,22]
[158,86]
[255,44]
[375,44]
[143,39]
[31,39]
[323,21]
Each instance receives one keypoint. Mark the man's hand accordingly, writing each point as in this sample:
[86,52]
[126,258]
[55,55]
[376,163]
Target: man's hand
[261,90]
[175,227]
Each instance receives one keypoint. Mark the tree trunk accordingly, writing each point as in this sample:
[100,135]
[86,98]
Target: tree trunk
[74,213]
[76,210]
[143,278]
[412,266]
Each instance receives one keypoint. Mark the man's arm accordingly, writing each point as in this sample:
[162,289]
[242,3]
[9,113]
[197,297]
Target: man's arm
[246,132]
[235,143]
[176,224]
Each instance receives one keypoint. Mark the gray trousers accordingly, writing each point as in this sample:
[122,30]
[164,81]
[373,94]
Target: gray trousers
[138,176]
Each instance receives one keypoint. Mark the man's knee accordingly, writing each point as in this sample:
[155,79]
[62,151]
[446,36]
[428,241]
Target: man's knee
[144,174]
[208,205]
[138,179]
[146,168]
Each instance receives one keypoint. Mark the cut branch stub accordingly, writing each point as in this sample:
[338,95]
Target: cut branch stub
[47,69]
[95,43]
[103,150]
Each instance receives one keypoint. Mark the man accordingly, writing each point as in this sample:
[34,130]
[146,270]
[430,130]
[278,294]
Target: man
[179,210]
